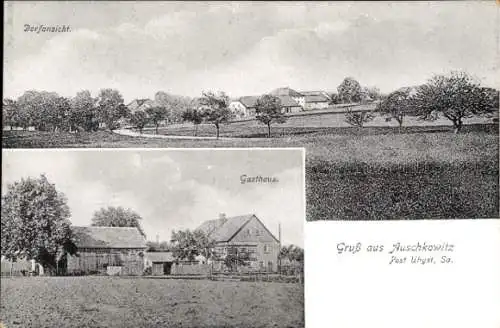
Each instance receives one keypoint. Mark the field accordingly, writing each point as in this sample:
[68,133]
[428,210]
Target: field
[138,302]
[423,171]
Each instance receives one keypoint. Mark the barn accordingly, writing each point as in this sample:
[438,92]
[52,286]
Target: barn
[111,250]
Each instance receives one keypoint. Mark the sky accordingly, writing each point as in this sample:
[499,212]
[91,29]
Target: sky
[243,48]
[172,189]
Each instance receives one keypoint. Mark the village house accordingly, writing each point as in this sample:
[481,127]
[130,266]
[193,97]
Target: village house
[289,105]
[140,104]
[247,235]
[112,250]
[315,100]
[244,107]
[288,92]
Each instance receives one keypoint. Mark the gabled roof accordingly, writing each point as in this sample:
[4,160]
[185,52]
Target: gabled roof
[139,102]
[286,92]
[316,98]
[223,230]
[108,237]
[211,225]
[249,101]
[159,256]
[288,101]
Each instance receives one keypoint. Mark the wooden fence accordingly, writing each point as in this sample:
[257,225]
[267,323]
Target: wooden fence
[18,268]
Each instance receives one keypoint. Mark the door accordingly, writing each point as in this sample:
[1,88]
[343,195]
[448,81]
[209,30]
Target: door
[157,269]
[167,267]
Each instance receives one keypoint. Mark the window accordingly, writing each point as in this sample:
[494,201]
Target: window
[267,249]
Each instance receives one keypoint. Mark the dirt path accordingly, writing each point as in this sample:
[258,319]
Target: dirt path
[127,132]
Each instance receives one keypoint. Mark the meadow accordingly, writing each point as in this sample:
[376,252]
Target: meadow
[378,172]
[95,301]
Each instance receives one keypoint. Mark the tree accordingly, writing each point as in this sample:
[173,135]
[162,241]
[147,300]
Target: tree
[83,112]
[39,108]
[187,244]
[268,111]
[215,108]
[358,118]
[373,93]
[10,113]
[175,105]
[117,217]
[349,90]
[110,108]
[397,105]
[154,246]
[292,253]
[455,96]
[156,114]
[139,120]
[61,114]
[335,99]
[194,116]
[35,222]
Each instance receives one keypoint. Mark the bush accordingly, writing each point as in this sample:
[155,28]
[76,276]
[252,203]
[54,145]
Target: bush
[358,118]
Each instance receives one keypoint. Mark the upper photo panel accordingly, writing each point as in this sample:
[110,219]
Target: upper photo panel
[396,103]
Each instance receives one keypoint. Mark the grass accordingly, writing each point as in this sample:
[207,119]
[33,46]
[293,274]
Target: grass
[135,302]
[420,190]
[317,123]
[366,173]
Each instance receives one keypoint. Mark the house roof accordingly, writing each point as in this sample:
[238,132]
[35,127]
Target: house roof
[312,93]
[249,101]
[316,98]
[139,102]
[224,229]
[288,101]
[286,92]
[108,237]
[160,256]
[411,90]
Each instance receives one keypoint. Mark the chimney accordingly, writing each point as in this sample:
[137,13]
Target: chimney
[222,216]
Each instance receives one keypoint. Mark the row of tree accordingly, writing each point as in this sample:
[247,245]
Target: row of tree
[48,111]
[455,96]
[35,225]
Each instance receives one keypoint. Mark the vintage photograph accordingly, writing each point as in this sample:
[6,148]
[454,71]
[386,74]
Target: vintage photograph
[152,238]
[396,103]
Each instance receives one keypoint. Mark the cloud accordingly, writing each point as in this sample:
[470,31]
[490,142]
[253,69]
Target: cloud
[247,48]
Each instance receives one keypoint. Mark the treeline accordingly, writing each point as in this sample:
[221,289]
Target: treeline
[454,96]
[48,111]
